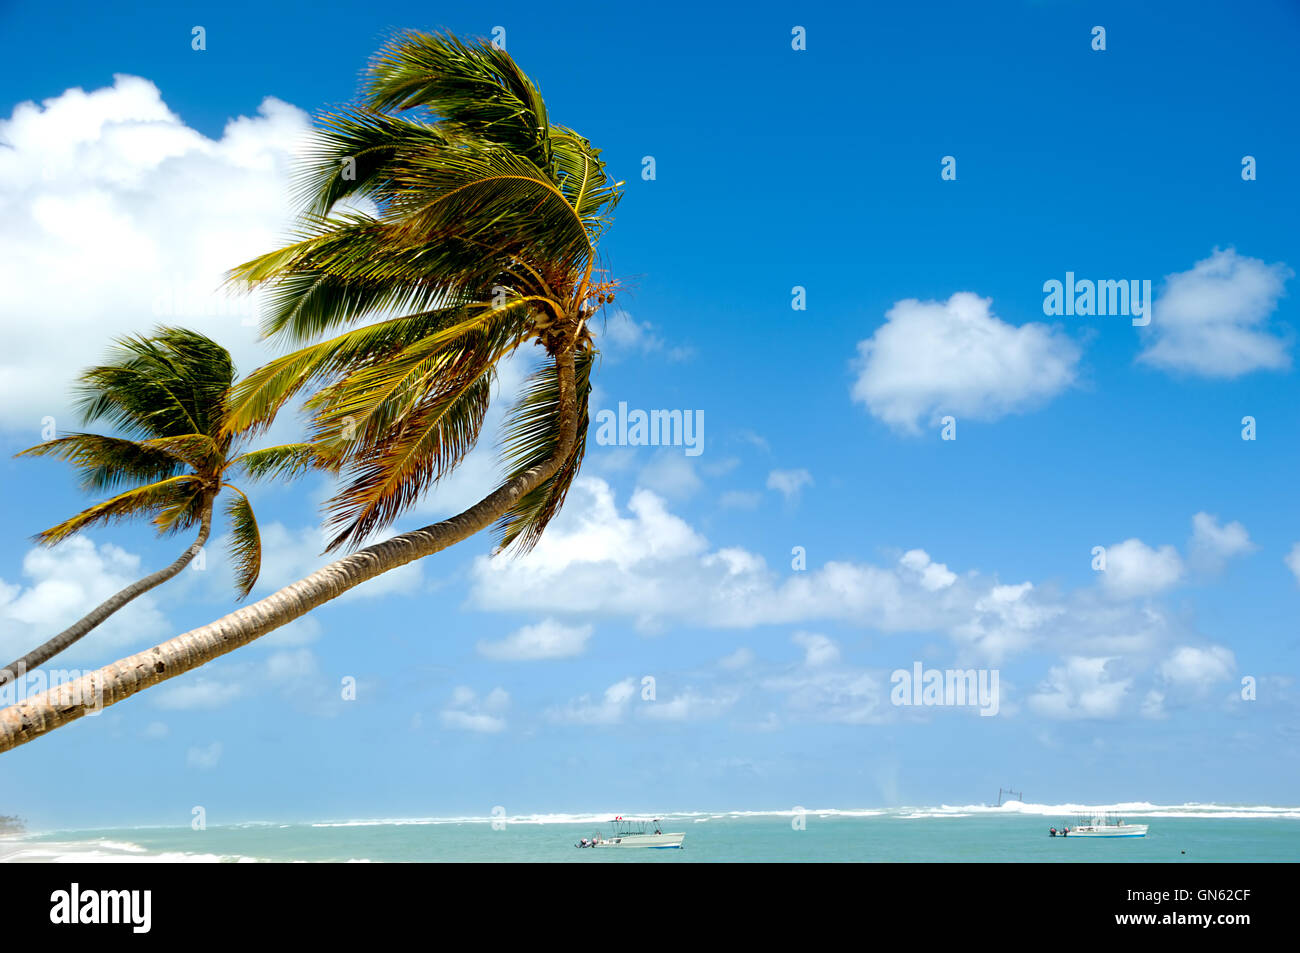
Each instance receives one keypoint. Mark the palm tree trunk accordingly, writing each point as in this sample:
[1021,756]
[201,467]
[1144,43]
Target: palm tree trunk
[27,720]
[43,653]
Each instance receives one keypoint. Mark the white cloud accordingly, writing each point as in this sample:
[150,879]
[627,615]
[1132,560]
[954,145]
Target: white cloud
[1292,560]
[818,649]
[932,358]
[1198,667]
[645,564]
[1081,688]
[607,710]
[1135,569]
[547,639]
[740,499]
[933,576]
[789,483]
[651,566]
[119,217]
[467,712]
[1213,319]
[1006,620]
[66,582]
[1214,544]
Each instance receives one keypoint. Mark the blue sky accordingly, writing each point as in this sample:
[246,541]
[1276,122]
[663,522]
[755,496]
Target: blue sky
[774,168]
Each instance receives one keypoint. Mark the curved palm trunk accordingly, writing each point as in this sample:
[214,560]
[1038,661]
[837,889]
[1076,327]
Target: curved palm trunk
[74,632]
[60,705]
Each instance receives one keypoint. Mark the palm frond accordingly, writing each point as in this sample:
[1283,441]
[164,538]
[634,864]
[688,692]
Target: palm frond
[284,461]
[171,383]
[359,153]
[106,463]
[257,398]
[245,541]
[388,477]
[175,496]
[473,86]
[531,436]
[199,450]
[362,407]
[584,182]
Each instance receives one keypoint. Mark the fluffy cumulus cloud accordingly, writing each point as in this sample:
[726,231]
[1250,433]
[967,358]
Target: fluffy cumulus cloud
[932,358]
[1213,320]
[644,563]
[1214,543]
[818,649]
[1006,620]
[1198,667]
[547,639]
[1135,569]
[651,565]
[61,585]
[117,217]
[1081,688]
[933,576]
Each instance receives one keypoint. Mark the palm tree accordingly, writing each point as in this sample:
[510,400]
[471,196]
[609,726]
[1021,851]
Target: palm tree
[449,198]
[167,394]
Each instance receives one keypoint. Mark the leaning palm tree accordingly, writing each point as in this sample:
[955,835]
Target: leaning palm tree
[450,205]
[167,395]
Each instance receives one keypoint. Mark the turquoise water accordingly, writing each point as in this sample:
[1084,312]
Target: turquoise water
[1220,834]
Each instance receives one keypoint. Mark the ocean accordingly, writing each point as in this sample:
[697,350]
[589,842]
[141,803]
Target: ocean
[1011,833]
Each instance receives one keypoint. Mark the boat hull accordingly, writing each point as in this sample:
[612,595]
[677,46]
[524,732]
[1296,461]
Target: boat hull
[1128,830]
[653,841]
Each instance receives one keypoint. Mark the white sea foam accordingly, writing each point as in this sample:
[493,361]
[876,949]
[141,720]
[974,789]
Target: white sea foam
[95,847]
[1128,808]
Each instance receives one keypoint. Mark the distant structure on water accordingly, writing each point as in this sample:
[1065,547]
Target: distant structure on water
[1011,796]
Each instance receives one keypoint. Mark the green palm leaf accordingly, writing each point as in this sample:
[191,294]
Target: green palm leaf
[245,541]
[531,436]
[169,501]
[106,463]
[474,87]
[285,461]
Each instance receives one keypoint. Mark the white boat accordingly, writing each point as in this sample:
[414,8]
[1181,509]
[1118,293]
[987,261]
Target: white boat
[625,833]
[1101,825]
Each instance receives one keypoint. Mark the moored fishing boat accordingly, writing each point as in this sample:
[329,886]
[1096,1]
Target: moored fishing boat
[625,833]
[1100,825]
